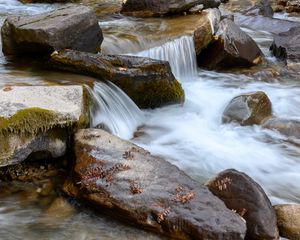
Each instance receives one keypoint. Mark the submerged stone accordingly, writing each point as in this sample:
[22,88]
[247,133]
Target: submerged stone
[148,82]
[37,120]
[122,179]
[285,126]
[248,109]
[243,195]
[72,26]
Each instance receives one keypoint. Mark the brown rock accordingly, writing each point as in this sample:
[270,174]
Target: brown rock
[124,180]
[287,127]
[248,109]
[243,195]
[288,220]
[232,48]
[72,26]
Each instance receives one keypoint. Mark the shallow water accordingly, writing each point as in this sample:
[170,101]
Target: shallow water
[189,135]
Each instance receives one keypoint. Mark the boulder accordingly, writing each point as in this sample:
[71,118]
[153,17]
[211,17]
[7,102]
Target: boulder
[286,45]
[248,109]
[288,220]
[154,8]
[243,195]
[231,48]
[149,83]
[127,182]
[288,127]
[293,6]
[36,121]
[262,7]
[72,26]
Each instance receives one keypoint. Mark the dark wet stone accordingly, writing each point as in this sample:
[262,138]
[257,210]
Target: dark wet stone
[148,82]
[231,48]
[286,45]
[152,8]
[248,109]
[242,194]
[72,26]
[124,180]
[288,127]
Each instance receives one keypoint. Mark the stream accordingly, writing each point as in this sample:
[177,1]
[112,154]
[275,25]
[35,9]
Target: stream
[190,136]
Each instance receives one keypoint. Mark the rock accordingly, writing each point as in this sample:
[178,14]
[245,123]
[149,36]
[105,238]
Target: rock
[231,48]
[262,7]
[198,8]
[124,180]
[149,83]
[243,195]
[287,127]
[293,6]
[72,26]
[248,109]
[154,8]
[46,1]
[288,220]
[286,45]
[260,23]
[39,119]
[204,33]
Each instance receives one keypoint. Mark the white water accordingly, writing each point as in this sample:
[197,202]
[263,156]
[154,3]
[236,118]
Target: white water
[113,108]
[193,137]
[180,53]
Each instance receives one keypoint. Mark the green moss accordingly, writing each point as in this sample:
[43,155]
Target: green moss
[28,121]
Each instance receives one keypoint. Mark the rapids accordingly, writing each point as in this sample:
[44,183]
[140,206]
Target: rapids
[189,135]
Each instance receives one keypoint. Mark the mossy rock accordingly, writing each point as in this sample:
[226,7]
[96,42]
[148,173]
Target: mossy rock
[148,82]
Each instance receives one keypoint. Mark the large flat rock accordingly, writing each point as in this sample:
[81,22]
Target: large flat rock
[148,82]
[72,26]
[124,180]
[38,119]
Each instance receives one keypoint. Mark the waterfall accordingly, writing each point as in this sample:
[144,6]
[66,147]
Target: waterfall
[180,53]
[113,110]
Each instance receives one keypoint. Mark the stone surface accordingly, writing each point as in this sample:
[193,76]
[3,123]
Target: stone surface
[288,220]
[243,195]
[231,48]
[72,26]
[248,109]
[46,1]
[288,127]
[38,119]
[152,8]
[262,7]
[286,45]
[124,180]
[149,83]
[293,6]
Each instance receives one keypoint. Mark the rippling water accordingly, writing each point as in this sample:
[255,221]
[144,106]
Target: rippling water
[190,135]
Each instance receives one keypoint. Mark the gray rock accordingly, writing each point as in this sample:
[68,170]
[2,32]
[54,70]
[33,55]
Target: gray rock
[243,195]
[288,127]
[124,180]
[148,82]
[38,119]
[232,48]
[286,45]
[248,109]
[150,8]
[262,7]
[72,26]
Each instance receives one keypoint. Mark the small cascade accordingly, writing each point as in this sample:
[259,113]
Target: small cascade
[113,110]
[181,55]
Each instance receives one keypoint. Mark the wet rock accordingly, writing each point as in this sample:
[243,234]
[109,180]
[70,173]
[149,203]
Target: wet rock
[46,1]
[149,83]
[293,6]
[152,8]
[231,48]
[286,45]
[248,109]
[261,23]
[262,7]
[35,119]
[198,8]
[288,127]
[122,179]
[243,195]
[72,26]
[288,220]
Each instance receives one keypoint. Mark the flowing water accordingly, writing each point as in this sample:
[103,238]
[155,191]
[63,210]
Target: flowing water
[189,135]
